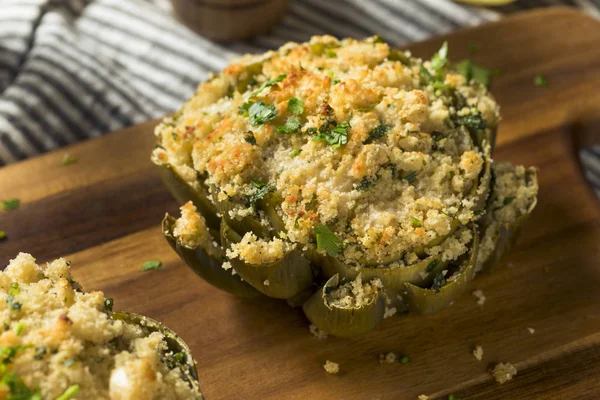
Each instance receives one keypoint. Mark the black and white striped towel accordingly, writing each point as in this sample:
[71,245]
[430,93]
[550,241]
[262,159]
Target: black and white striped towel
[76,69]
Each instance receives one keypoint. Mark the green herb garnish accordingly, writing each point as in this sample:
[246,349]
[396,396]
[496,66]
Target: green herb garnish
[11,204]
[296,105]
[68,159]
[179,356]
[440,59]
[69,393]
[336,136]
[452,397]
[405,360]
[366,183]
[9,352]
[2,235]
[327,240]
[291,125]
[330,53]
[249,138]
[11,302]
[378,132]
[472,71]
[473,47]
[108,304]
[295,153]
[540,81]
[438,281]
[431,266]
[19,328]
[17,388]
[40,352]
[416,223]
[473,122]
[151,265]
[410,177]
[267,84]
[259,191]
[258,112]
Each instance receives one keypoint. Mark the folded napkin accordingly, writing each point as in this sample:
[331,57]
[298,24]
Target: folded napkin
[76,69]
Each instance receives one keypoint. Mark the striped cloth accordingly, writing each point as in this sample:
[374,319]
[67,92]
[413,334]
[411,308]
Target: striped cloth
[76,69]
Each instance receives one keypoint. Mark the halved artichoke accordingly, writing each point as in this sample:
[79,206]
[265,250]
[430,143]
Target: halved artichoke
[361,164]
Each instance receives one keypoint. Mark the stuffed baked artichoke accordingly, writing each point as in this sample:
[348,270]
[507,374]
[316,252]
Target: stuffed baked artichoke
[61,343]
[342,175]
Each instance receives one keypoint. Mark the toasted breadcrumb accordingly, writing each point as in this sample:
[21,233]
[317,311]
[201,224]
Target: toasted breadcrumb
[388,358]
[266,282]
[478,352]
[331,367]
[480,297]
[504,372]
[319,334]
[531,330]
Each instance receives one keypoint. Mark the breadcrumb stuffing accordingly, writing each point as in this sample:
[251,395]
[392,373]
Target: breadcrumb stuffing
[478,352]
[388,358]
[480,297]
[316,332]
[504,372]
[331,367]
[354,293]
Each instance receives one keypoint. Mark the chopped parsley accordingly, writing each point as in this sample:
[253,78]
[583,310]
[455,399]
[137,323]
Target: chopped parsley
[68,160]
[11,302]
[378,132]
[431,266]
[327,240]
[249,138]
[472,71]
[540,81]
[69,393]
[334,136]
[438,281]
[268,84]
[108,304]
[296,105]
[19,328]
[473,47]
[17,388]
[473,122]
[179,356]
[410,177]
[366,183]
[151,265]
[291,125]
[330,53]
[440,59]
[506,201]
[258,112]
[333,80]
[9,352]
[453,397]
[259,191]
[405,359]
[295,153]
[11,204]
[40,352]
[416,223]
[2,235]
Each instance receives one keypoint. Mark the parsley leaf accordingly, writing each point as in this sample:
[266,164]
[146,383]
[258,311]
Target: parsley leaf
[440,59]
[290,126]
[378,132]
[151,265]
[295,153]
[108,304]
[473,122]
[267,84]
[2,235]
[366,182]
[11,302]
[69,393]
[296,105]
[258,112]
[68,160]
[336,136]
[540,81]
[405,359]
[438,281]
[327,240]
[416,223]
[259,191]
[18,390]
[411,177]
[11,204]
[472,71]
[249,138]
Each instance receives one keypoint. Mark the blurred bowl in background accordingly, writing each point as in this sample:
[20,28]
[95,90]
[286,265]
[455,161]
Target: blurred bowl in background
[227,20]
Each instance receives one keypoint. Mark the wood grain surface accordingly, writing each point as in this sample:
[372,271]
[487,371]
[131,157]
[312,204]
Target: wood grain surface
[103,213]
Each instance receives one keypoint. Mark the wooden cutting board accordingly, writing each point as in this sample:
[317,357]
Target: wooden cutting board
[103,213]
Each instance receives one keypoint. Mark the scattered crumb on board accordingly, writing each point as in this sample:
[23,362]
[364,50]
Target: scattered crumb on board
[389,312]
[531,330]
[266,282]
[480,297]
[319,334]
[331,367]
[388,358]
[504,372]
[478,352]
[423,397]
